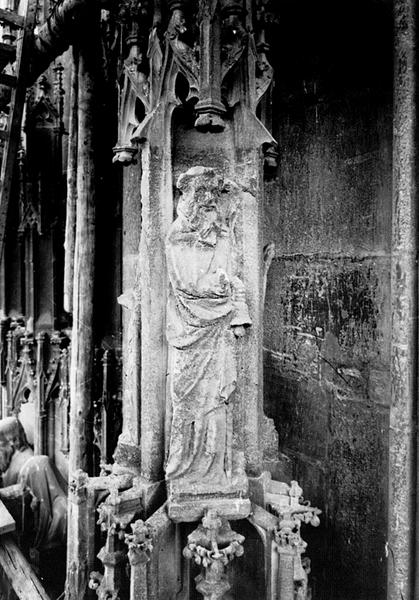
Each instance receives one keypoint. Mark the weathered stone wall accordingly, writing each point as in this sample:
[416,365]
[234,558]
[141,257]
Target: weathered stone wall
[327,330]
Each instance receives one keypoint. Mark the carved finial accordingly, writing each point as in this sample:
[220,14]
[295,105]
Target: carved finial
[139,543]
[213,540]
[295,490]
[213,545]
[43,87]
[292,512]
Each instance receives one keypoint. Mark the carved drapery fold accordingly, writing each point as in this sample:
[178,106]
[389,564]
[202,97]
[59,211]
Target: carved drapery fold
[207,314]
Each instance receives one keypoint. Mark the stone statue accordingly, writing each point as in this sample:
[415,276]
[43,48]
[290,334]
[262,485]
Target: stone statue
[207,311]
[25,475]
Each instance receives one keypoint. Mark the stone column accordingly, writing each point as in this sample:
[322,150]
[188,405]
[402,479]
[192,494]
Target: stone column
[128,450]
[252,362]
[134,82]
[157,215]
[82,342]
[404,281]
[78,537]
[70,225]
[286,573]
[81,369]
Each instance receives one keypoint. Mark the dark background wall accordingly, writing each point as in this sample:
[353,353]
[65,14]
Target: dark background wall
[327,315]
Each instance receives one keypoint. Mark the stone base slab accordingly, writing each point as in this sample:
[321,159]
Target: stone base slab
[193,508]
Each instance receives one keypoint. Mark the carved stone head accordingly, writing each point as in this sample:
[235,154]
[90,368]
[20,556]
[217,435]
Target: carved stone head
[12,438]
[199,203]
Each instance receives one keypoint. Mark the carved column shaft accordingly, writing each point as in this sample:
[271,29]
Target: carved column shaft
[31,263]
[157,214]
[112,558]
[82,349]
[2,287]
[82,343]
[40,414]
[250,380]
[80,532]
[404,285]
[286,575]
[71,201]
[131,340]
[138,582]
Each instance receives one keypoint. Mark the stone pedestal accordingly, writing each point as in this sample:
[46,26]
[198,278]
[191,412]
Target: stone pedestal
[184,508]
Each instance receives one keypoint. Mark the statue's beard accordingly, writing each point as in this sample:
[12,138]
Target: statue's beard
[6,458]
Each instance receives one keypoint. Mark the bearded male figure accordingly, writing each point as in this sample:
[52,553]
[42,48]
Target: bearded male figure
[206,313]
[28,477]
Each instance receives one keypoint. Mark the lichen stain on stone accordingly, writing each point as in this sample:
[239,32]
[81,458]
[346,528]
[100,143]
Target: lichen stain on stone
[327,315]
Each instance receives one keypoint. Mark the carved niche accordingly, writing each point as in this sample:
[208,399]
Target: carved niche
[219,48]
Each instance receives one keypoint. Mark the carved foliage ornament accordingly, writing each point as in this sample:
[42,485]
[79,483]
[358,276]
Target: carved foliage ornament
[213,545]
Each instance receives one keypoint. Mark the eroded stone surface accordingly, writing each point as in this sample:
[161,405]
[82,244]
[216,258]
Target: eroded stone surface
[207,312]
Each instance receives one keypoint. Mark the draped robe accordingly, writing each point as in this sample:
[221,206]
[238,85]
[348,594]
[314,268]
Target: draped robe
[202,308]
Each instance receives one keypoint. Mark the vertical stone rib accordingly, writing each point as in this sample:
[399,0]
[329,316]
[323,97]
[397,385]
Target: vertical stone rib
[131,322]
[156,188]
[402,475]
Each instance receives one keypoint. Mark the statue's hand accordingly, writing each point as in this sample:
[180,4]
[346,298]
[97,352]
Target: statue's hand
[221,282]
[239,331]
